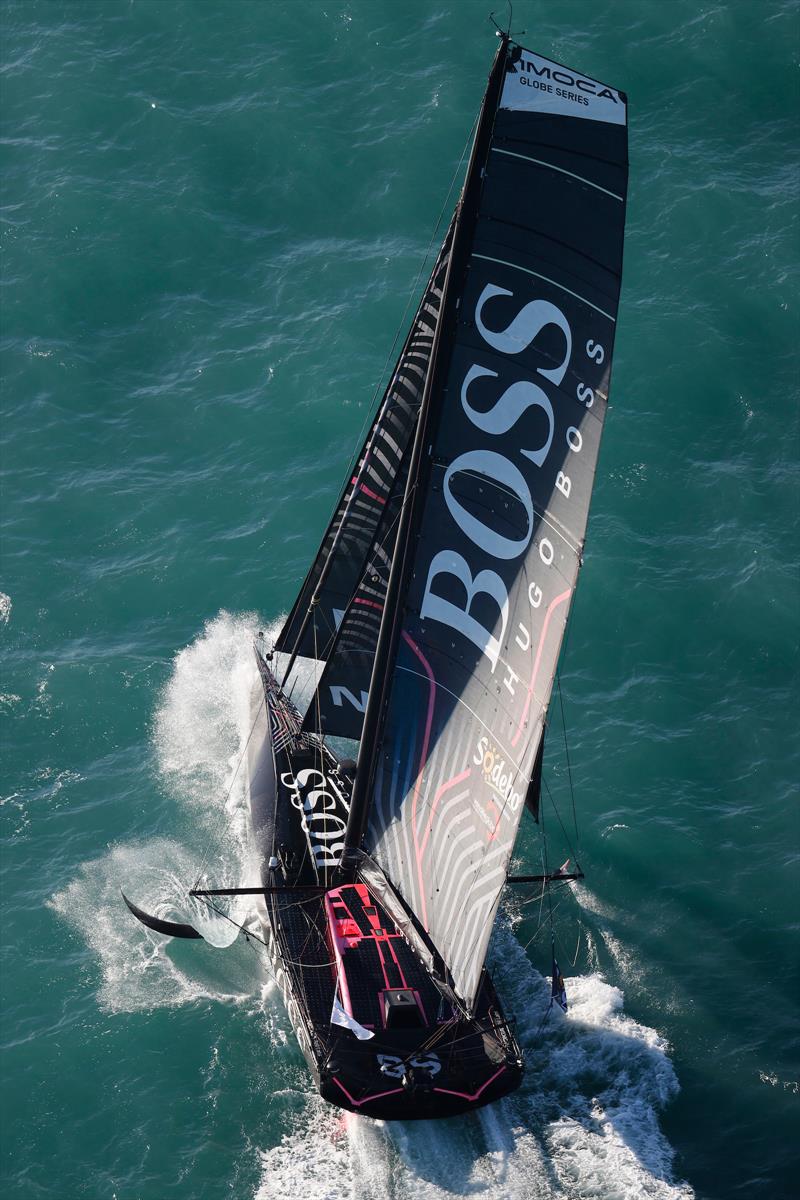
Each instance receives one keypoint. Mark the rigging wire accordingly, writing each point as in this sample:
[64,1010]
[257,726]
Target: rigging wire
[412,293]
[371,408]
[558,817]
[499,28]
[569,764]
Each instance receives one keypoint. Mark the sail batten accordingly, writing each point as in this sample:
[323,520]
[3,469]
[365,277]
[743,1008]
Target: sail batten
[488,552]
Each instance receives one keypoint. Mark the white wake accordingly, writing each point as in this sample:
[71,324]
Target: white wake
[585,1122]
[199,732]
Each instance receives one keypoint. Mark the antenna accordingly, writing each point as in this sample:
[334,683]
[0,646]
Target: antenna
[506,33]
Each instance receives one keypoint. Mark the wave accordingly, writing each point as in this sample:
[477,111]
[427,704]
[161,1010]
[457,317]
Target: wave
[584,1123]
[199,733]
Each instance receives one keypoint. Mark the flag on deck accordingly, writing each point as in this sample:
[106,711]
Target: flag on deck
[340,1017]
[559,992]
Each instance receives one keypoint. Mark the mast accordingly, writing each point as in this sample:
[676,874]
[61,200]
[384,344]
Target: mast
[497,505]
[412,502]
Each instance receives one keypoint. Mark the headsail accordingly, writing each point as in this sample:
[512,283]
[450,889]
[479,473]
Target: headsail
[361,527]
[498,499]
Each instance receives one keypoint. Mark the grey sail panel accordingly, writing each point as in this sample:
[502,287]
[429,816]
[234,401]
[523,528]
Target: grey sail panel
[338,707]
[501,501]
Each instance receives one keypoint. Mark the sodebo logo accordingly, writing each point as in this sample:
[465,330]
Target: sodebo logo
[499,779]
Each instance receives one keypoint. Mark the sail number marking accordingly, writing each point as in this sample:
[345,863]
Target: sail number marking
[395,1068]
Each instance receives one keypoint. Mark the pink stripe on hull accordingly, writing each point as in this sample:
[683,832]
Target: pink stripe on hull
[474,1096]
[395,1091]
[366,1100]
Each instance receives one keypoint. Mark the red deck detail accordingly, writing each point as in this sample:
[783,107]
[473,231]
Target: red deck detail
[348,929]
[338,947]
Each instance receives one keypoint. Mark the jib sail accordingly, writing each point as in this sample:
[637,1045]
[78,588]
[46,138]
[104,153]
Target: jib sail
[359,528]
[492,533]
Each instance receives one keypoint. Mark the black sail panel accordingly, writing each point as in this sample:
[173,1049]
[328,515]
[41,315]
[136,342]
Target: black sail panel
[502,499]
[338,707]
[340,700]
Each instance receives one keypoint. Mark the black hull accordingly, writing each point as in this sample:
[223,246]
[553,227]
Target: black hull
[339,944]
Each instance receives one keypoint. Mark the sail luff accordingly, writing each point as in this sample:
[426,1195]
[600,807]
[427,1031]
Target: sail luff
[534,792]
[347,543]
[325,570]
[290,638]
[338,705]
[389,635]
[325,559]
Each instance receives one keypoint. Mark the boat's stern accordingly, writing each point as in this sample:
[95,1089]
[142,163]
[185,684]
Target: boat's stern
[397,1050]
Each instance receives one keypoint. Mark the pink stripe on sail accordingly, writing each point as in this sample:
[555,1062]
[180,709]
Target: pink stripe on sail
[362,487]
[423,759]
[445,787]
[368,603]
[553,606]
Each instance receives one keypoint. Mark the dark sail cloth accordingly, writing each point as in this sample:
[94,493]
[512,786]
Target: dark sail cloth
[490,544]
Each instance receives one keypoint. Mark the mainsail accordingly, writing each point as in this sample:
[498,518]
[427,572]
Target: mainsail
[364,521]
[491,534]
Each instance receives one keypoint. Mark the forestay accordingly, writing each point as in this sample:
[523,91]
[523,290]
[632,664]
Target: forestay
[338,707]
[499,506]
[364,523]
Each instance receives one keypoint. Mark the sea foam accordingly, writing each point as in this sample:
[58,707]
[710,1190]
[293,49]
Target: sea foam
[584,1123]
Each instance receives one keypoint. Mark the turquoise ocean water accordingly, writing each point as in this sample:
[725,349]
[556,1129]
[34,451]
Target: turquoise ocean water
[213,218]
